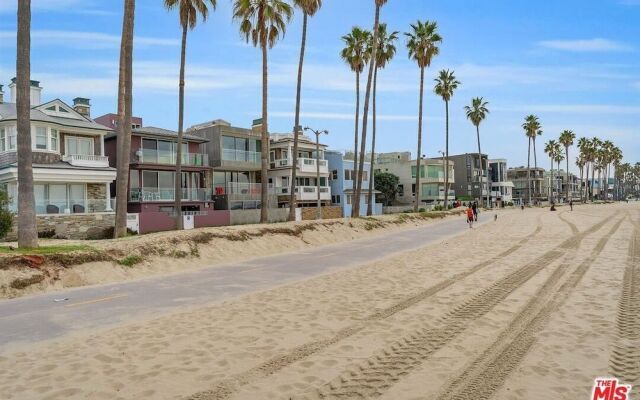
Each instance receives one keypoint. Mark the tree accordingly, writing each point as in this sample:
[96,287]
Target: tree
[27,229]
[365,111]
[558,157]
[6,216]
[422,43]
[446,84]
[584,148]
[387,183]
[125,109]
[594,157]
[356,54]
[532,128]
[386,51]
[550,148]
[567,138]
[308,8]
[477,113]
[189,10]
[263,22]
[580,164]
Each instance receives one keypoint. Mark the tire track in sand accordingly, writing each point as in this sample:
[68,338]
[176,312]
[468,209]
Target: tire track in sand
[488,372]
[373,377]
[225,388]
[573,227]
[624,360]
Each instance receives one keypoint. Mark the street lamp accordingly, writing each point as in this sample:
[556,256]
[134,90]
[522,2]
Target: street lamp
[318,133]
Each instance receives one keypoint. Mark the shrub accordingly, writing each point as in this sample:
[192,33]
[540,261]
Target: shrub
[131,260]
[6,216]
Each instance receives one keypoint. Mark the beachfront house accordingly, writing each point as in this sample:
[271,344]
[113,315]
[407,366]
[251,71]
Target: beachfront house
[520,178]
[501,186]
[470,176]
[71,173]
[342,178]
[152,173]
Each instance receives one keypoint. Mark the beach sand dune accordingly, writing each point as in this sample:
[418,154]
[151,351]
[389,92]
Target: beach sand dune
[534,305]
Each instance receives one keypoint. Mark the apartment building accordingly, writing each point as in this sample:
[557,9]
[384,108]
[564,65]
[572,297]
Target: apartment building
[342,179]
[235,155]
[281,168]
[431,177]
[520,178]
[71,173]
[501,186]
[152,173]
[470,178]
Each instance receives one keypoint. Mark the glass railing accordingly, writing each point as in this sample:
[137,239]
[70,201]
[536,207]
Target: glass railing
[169,157]
[252,157]
[166,194]
[65,206]
[236,190]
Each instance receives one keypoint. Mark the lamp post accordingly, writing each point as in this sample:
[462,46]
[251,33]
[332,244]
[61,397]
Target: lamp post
[318,133]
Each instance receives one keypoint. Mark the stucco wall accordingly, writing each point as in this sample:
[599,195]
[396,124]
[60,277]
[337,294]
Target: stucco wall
[245,217]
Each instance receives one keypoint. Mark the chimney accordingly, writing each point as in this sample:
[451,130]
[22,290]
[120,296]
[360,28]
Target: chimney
[1,95]
[36,92]
[256,126]
[82,106]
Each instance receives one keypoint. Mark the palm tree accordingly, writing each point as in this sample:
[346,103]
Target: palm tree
[263,22]
[583,147]
[446,84]
[550,148]
[422,43]
[476,113]
[125,104]
[308,8]
[356,54]
[27,230]
[567,138]
[594,157]
[189,10]
[531,127]
[386,51]
[580,164]
[558,157]
[365,111]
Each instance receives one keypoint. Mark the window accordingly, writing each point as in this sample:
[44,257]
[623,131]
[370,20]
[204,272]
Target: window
[59,198]
[79,145]
[348,175]
[12,138]
[349,199]
[41,138]
[338,199]
[401,190]
[334,174]
[54,140]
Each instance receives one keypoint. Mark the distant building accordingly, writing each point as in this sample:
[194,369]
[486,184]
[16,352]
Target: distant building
[520,178]
[558,188]
[470,179]
[111,121]
[501,186]
[342,177]
[431,177]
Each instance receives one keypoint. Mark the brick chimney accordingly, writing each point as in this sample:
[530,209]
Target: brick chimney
[36,92]
[82,106]
[256,126]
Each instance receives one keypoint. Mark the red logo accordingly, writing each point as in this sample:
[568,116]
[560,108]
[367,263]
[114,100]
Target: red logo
[610,389]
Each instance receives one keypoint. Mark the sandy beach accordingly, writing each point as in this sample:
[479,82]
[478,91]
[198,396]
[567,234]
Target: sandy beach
[535,305]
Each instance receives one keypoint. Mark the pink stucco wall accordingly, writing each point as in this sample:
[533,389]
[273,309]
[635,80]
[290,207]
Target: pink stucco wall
[160,221]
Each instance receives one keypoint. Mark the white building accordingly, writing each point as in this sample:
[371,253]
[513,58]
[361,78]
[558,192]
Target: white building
[501,187]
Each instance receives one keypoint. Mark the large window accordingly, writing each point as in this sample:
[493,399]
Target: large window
[8,138]
[41,138]
[54,140]
[56,198]
[77,145]
[240,149]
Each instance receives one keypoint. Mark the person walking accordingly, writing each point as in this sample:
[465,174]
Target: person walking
[474,208]
[470,216]
[571,204]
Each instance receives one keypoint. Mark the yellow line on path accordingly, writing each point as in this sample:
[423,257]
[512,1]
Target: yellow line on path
[96,300]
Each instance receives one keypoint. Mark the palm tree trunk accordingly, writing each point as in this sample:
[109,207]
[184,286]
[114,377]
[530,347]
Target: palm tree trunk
[27,229]
[373,145]
[419,151]
[365,114]
[355,147]
[296,126]
[529,171]
[264,216]
[551,184]
[593,178]
[446,157]
[178,181]
[566,153]
[125,99]
[586,184]
[535,160]
[481,165]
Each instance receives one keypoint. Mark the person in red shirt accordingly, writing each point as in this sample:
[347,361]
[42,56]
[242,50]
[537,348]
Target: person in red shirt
[470,216]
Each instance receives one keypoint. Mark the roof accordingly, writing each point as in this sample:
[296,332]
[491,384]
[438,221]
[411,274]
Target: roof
[8,113]
[161,133]
[62,165]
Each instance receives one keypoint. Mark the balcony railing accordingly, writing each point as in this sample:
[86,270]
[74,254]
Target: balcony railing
[305,192]
[169,157]
[252,157]
[86,160]
[167,194]
[69,206]
[309,165]
[239,191]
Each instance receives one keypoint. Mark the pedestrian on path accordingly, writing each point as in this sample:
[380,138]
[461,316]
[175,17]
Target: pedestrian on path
[571,204]
[470,216]
[474,208]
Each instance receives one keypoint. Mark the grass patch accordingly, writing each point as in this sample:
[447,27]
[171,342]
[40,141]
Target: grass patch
[131,260]
[45,249]
[21,283]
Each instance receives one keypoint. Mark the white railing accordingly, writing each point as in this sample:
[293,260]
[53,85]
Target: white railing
[305,192]
[239,191]
[252,157]
[169,157]
[70,206]
[309,165]
[168,194]
[281,162]
[86,160]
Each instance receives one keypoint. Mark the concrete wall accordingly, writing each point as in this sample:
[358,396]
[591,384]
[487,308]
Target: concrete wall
[245,217]
[71,226]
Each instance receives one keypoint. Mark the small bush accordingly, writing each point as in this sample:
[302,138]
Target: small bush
[438,208]
[131,260]
[6,216]
[21,283]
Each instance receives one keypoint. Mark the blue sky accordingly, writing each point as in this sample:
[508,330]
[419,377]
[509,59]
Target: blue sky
[574,63]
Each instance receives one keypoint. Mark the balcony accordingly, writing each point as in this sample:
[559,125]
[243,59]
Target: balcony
[70,206]
[82,160]
[239,191]
[305,165]
[145,195]
[252,157]
[305,193]
[149,156]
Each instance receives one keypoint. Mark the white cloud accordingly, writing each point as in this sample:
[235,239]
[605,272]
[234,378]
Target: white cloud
[586,45]
[83,40]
